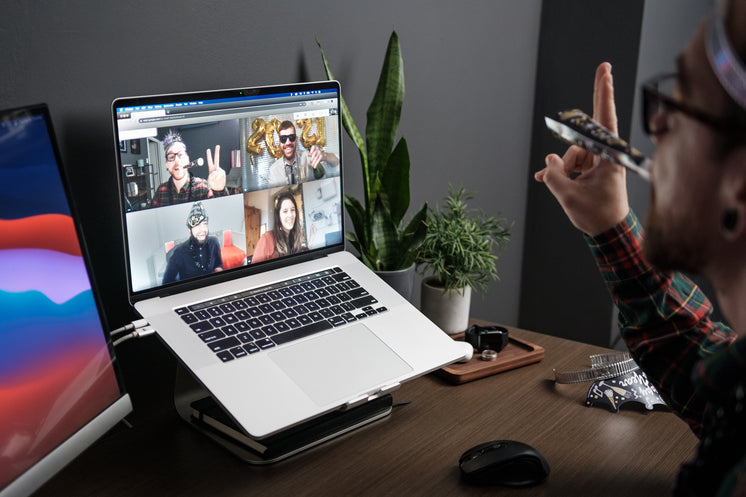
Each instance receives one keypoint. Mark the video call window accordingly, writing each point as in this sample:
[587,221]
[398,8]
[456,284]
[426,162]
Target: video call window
[203,197]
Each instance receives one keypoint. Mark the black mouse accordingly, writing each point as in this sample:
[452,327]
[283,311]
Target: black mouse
[503,462]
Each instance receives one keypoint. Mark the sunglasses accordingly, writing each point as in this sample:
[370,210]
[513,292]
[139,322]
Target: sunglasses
[659,98]
[284,138]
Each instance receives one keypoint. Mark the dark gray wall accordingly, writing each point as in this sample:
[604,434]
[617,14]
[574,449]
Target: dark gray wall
[470,114]
[562,293]
[469,69]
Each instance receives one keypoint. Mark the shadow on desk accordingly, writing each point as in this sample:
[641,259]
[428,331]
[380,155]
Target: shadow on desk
[414,451]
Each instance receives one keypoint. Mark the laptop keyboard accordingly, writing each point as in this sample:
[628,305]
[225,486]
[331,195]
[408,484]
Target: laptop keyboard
[250,321]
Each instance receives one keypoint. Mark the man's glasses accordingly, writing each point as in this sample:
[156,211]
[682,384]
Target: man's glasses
[659,98]
[172,157]
[284,138]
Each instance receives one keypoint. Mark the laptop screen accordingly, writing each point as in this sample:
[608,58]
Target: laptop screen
[227,180]
[58,380]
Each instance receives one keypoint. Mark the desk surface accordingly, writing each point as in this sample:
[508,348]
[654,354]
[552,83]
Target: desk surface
[414,451]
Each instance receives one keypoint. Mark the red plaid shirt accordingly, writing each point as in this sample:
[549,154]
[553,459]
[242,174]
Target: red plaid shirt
[195,189]
[664,319]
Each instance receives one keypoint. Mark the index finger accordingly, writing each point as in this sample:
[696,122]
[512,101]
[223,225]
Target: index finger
[604,106]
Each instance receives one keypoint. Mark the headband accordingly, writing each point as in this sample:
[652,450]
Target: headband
[726,64]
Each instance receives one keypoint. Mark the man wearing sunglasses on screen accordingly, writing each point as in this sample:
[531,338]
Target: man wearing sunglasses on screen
[296,165]
[696,223]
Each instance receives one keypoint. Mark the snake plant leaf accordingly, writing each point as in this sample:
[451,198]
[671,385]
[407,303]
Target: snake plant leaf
[395,182]
[349,125]
[384,112]
[384,236]
[359,219]
[412,236]
[378,234]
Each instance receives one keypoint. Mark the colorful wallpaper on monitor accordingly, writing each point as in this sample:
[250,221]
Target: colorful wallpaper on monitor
[55,367]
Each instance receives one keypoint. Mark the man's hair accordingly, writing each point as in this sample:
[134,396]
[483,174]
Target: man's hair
[171,138]
[286,125]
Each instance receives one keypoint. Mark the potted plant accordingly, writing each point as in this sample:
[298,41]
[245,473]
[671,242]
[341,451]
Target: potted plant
[458,250]
[386,242]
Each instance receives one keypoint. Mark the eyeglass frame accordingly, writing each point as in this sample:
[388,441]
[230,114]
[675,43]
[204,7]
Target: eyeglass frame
[180,155]
[651,92]
[292,138]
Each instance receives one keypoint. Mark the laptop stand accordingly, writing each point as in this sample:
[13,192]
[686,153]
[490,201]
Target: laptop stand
[195,406]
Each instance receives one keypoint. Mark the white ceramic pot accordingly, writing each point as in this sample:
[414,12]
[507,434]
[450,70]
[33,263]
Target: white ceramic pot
[448,310]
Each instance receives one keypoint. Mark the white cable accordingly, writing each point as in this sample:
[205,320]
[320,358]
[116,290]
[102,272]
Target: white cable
[139,329]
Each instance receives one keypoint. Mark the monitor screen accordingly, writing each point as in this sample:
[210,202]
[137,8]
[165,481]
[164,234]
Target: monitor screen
[227,180]
[59,384]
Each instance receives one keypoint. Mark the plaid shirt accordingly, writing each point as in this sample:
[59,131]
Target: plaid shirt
[195,189]
[664,319]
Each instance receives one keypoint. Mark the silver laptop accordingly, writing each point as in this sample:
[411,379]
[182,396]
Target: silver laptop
[232,211]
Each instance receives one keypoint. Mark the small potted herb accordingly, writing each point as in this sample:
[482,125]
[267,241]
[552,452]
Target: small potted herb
[459,253]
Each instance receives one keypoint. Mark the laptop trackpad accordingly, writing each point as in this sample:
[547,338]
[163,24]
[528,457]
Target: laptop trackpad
[340,365]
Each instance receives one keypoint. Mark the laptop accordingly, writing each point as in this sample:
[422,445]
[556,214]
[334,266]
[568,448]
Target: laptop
[235,254]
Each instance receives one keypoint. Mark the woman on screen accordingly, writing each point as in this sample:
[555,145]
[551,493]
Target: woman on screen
[286,236]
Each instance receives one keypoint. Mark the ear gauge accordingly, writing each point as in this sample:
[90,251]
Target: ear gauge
[729,222]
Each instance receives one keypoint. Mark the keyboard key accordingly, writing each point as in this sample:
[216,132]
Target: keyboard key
[251,348]
[225,356]
[218,322]
[282,327]
[201,326]
[224,344]
[337,321]
[364,301]
[270,330]
[229,330]
[189,318]
[301,332]
[239,352]
[265,343]
[212,335]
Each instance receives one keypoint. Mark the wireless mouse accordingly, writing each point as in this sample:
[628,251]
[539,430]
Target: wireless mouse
[503,462]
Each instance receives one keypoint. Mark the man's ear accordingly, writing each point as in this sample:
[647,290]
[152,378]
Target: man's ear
[733,195]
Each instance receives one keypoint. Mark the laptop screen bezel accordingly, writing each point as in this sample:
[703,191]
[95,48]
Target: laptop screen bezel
[241,96]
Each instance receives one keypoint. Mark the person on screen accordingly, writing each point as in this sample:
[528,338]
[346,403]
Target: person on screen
[696,223]
[197,256]
[182,186]
[296,165]
[286,236]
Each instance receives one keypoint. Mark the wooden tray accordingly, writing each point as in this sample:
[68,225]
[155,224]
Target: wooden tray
[516,354]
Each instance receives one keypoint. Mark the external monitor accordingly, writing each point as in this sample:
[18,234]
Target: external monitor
[60,388]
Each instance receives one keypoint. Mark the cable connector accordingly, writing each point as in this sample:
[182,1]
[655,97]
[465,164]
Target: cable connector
[138,329]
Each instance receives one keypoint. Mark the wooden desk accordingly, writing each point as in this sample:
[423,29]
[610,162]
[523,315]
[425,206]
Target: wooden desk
[414,451]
